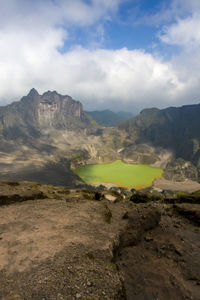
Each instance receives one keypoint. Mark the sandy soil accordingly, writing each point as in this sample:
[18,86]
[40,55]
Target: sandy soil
[164,184]
[107,185]
[186,186]
[37,230]
[60,247]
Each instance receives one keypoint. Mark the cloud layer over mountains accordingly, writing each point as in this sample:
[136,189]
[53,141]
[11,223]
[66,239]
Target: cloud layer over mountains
[36,50]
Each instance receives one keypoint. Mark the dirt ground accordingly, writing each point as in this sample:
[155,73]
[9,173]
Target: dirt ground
[164,184]
[163,261]
[57,243]
[59,247]
[185,186]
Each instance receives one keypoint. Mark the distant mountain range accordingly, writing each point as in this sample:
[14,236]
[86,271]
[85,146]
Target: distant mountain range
[109,118]
[43,137]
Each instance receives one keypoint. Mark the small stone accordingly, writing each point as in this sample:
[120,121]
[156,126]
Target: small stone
[163,247]
[78,296]
[125,216]
[148,238]
[89,283]
[110,197]
[177,251]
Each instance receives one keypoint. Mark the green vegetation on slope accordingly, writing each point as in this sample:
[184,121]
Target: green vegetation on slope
[120,173]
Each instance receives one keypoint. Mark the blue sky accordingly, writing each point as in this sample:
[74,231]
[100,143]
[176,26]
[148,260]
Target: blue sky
[116,54]
[128,28]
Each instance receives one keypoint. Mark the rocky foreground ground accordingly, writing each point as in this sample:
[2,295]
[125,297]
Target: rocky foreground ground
[59,243]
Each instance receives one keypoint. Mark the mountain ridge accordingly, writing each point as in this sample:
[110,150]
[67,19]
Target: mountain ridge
[173,128]
[51,134]
[35,113]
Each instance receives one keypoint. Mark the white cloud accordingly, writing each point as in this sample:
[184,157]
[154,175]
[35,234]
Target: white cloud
[169,11]
[56,12]
[31,33]
[122,76]
[94,76]
[100,78]
[185,32]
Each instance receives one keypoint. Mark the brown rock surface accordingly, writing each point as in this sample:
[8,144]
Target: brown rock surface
[71,246]
[164,262]
[186,186]
[58,247]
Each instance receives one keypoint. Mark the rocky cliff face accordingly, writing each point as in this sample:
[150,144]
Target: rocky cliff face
[36,113]
[175,129]
[60,112]
[38,135]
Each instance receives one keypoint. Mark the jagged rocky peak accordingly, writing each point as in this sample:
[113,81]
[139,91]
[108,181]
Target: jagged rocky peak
[51,97]
[35,113]
[59,111]
[52,109]
[33,92]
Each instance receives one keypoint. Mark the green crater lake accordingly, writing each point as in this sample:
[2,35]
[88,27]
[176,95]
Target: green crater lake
[119,173]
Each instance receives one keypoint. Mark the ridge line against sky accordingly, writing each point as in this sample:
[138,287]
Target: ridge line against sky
[109,54]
